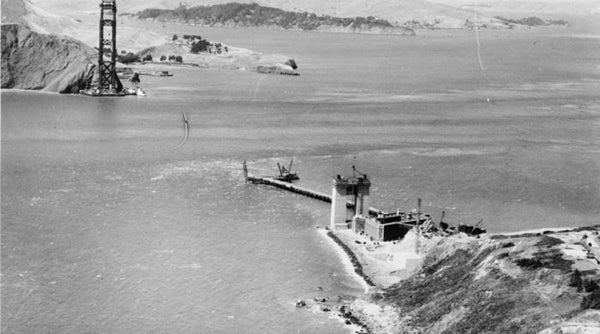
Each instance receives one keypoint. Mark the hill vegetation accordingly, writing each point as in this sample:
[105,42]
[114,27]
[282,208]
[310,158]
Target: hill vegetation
[254,15]
[533,21]
[31,60]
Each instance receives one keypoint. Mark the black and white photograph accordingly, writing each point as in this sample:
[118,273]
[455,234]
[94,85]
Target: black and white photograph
[300,166]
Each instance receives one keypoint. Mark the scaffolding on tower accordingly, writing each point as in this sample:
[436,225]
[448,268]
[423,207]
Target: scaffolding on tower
[107,83]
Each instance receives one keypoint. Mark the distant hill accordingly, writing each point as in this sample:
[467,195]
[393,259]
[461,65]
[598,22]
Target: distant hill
[254,15]
[45,20]
[520,8]
[429,13]
[533,21]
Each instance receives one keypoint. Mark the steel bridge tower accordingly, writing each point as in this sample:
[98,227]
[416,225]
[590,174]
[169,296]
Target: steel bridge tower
[107,78]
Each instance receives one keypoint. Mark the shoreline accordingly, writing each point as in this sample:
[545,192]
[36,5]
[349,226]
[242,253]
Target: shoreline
[344,251]
[370,315]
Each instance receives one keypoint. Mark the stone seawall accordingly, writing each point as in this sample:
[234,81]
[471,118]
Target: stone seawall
[358,269]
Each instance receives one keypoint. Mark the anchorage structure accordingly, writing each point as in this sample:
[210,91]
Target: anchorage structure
[108,83]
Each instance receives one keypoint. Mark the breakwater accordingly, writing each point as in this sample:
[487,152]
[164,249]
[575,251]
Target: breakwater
[358,269]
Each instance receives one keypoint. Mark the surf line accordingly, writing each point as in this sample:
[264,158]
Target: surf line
[186,130]
[350,260]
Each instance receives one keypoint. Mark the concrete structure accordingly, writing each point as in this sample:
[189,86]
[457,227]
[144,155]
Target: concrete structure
[357,188]
[388,226]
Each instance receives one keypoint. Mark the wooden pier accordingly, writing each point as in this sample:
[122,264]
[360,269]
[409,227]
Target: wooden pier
[301,191]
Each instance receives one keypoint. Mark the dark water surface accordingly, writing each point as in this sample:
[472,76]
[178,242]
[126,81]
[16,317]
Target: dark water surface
[108,228]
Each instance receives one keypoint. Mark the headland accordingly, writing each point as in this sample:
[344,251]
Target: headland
[432,278]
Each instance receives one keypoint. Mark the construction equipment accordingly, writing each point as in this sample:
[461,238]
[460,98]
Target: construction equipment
[286,174]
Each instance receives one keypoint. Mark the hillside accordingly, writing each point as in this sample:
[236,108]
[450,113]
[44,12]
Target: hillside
[514,284]
[515,8]
[44,18]
[254,15]
[440,13]
[203,53]
[44,62]
[546,282]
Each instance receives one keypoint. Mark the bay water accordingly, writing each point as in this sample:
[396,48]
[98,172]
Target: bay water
[109,226]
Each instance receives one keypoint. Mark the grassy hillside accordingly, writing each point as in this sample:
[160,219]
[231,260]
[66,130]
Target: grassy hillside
[253,15]
[520,284]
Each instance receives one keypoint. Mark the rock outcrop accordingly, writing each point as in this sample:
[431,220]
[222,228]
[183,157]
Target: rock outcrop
[44,62]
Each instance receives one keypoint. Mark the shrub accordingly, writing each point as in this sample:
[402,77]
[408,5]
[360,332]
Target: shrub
[128,58]
[529,263]
[576,281]
[200,46]
[591,301]
[589,285]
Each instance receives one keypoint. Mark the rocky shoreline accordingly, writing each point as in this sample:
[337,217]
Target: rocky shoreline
[358,268]
[536,281]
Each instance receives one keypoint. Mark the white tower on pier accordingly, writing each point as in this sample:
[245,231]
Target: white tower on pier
[358,189]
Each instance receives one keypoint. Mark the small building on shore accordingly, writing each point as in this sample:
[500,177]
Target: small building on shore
[388,226]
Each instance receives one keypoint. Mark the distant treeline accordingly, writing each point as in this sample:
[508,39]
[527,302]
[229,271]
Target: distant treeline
[256,15]
[533,21]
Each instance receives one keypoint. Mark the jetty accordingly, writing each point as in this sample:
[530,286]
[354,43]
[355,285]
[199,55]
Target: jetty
[287,186]
[353,193]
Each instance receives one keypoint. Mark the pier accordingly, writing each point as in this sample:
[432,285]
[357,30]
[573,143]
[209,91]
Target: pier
[353,194]
[302,191]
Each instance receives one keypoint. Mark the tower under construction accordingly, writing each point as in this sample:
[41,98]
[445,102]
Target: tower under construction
[107,79]
[107,84]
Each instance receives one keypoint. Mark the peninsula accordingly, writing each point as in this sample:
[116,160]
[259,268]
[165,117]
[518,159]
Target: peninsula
[426,277]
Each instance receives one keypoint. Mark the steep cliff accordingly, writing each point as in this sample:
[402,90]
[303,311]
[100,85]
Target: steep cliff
[44,62]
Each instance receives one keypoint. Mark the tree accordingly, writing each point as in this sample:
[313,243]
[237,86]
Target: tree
[148,57]
[163,58]
[179,59]
[174,37]
[128,58]
[200,46]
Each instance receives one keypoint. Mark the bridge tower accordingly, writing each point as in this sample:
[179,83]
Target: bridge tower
[355,188]
[107,78]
